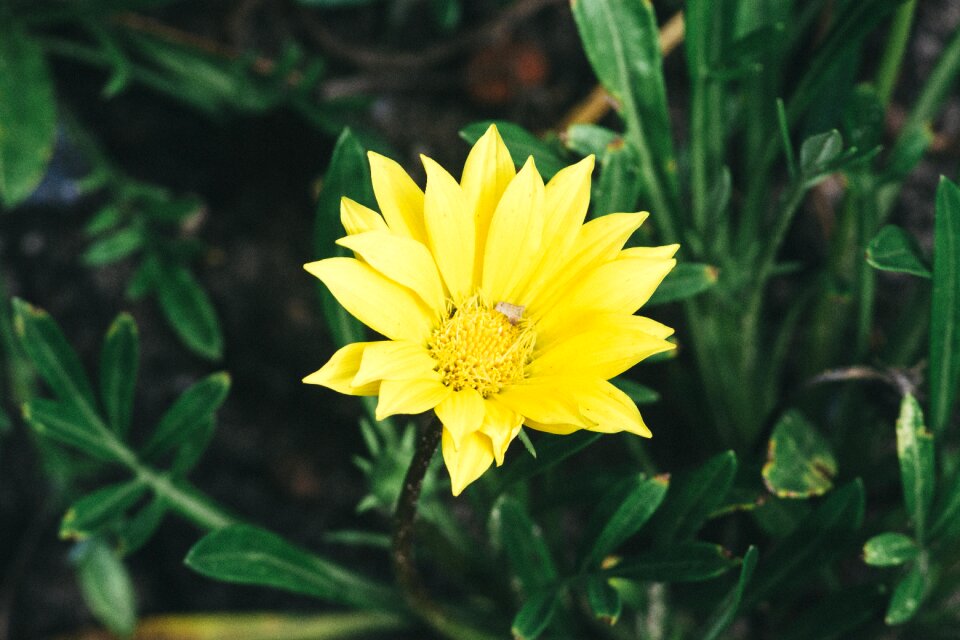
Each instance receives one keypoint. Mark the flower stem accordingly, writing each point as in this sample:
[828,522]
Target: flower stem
[408,578]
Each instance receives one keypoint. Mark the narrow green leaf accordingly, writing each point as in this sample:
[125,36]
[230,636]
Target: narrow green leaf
[191,450]
[682,562]
[144,279]
[618,188]
[821,536]
[800,463]
[915,450]
[686,280]
[893,249]
[189,311]
[192,411]
[726,611]
[55,360]
[248,555]
[28,114]
[516,535]
[550,452]
[945,306]
[521,143]
[348,175]
[604,600]
[87,514]
[119,364]
[622,42]
[909,594]
[137,530]
[353,538]
[889,550]
[67,424]
[535,615]
[947,523]
[628,507]
[527,443]
[114,247]
[106,586]
[692,497]
[639,393]
[104,220]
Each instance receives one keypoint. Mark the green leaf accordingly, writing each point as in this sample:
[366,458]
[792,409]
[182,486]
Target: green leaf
[28,114]
[893,249]
[682,562]
[889,550]
[67,424]
[191,412]
[604,600]
[692,497]
[909,594]
[515,534]
[726,611]
[137,530]
[821,535]
[945,306]
[622,42]
[550,452]
[87,514]
[686,280]
[621,514]
[105,586]
[521,143]
[119,362]
[586,139]
[799,461]
[818,153]
[639,393]
[915,450]
[114,247]
[104,220]
[348,175]
[535,615]
[618,188]
[947,522]
[189,311]
[191,450]
[55,360]
[248,555]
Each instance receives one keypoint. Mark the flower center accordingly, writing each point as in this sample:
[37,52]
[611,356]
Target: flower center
[482,348]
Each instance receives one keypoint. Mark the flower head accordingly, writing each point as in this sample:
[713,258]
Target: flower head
[499,306]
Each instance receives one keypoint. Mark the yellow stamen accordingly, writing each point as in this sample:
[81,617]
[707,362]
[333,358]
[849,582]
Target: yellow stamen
[480,348]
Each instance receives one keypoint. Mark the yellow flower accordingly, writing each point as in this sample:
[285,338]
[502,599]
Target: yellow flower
[499,306]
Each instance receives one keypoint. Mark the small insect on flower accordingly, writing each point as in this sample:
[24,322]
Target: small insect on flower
[432,273]
[513,311]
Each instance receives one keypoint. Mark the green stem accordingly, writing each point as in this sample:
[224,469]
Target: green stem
[18,369]
[893,53]
[404,565]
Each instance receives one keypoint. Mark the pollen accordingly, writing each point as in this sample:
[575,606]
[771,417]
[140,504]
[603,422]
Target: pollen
[482,348]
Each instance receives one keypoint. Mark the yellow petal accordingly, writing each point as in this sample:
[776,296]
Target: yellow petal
[410,396]
[467,462]
[501,425]
[609,410]
[555,429]
[357,218]
[598,241]
[339,372]
[513,242]
[566,199]
[605,346]
[462,413]
[399,197]
[651,253]
[450,230]
[486,174]
[394,360]
[619,286]
[545,400]
[378,302]
[403,260]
